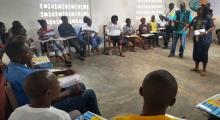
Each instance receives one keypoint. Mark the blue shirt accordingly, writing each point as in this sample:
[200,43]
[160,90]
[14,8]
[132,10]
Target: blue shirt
[66,30]
[16,74]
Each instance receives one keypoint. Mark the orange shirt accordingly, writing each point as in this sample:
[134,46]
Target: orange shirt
[137,117]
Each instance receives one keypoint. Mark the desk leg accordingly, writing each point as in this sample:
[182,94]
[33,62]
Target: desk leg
[88,42]
[68,45]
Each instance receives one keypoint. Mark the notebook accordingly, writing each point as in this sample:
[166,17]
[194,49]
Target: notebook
[40,60]
[211,105]
[90,116]
[70,80]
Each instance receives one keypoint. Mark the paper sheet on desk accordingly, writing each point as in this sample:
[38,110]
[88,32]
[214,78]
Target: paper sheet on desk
[67,81]
[40,60]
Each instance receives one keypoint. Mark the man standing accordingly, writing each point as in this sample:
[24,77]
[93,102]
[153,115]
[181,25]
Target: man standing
[182,17]
[66,30]
[169,28]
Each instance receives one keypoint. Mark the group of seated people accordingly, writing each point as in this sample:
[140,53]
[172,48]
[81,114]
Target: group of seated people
[39,95]
[88,34]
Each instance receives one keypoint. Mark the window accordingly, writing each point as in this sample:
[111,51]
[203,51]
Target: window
[147,8]
[75,10]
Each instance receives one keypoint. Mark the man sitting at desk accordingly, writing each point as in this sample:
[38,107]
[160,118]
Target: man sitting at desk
[56,48]
[66,30]
[154,29]
[89,31]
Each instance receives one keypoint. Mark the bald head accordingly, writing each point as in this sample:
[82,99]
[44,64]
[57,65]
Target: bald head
[41,83]
[159,89]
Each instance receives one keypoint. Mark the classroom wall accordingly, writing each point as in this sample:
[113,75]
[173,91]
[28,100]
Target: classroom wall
[27,11]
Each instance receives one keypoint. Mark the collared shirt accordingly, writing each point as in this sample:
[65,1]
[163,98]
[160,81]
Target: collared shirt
[16,74]
[66,30]
[128,29]
[137,117]
[183,15]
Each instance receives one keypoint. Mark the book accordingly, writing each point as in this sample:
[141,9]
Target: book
[211,105]
[40,60]
[70,80]
[90,116]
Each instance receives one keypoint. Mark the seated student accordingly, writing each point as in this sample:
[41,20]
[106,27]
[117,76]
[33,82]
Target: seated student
[144,29]
[218,36]
[154,29]
[114,32]
[55,48]
[159,91]
[17,71]
[16,29]
[88,29]
[129,30]
[2,93]
[42,87]
[66,30]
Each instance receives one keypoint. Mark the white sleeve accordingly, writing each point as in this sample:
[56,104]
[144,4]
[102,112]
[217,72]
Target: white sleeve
[13,116]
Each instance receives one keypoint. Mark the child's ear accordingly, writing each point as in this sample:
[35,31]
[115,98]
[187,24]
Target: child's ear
[141,91]
[172,102]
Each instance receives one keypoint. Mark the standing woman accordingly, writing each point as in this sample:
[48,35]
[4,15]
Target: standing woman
[202,41]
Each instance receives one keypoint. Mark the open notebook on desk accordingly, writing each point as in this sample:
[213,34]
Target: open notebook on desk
[90,116]
[70,80]
[40,60]
[211,105]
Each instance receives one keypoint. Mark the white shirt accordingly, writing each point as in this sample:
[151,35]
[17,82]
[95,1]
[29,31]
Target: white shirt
[28,113]
[114,30]
[162,23]
[89,28]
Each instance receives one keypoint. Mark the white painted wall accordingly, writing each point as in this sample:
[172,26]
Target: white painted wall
[27,11]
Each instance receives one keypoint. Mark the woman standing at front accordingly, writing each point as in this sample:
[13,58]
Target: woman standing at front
[202,39]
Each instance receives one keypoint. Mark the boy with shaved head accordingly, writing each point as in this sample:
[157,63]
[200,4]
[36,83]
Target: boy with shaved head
[42,87]
[159,91]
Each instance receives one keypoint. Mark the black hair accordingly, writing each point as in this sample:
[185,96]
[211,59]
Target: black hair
[159,88]
[64,17]
[17,29]
[204,9]
[171,4]
[2,24]
[128,19]
[42,21]
[114,17]
[143,19]
[15,48]
[37,83]
[86,19]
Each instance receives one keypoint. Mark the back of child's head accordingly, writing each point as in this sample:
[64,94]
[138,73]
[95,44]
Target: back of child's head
[159,89]
[41,84]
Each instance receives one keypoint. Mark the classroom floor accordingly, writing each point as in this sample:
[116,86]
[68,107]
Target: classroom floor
[116,80]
